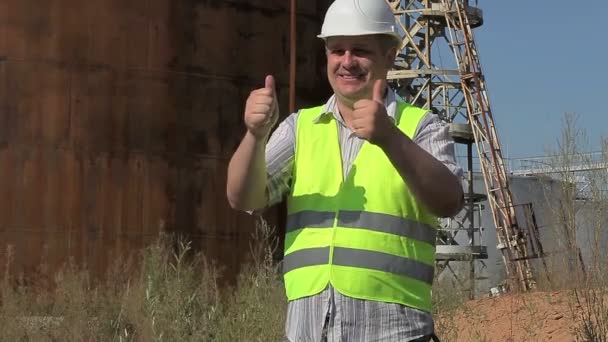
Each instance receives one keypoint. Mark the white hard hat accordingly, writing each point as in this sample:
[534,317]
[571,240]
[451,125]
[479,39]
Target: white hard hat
[359,17]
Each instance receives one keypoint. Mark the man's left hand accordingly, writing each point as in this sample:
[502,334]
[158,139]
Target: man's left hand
[370,121]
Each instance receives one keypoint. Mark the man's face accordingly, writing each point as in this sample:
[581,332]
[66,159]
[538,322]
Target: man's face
[354,63]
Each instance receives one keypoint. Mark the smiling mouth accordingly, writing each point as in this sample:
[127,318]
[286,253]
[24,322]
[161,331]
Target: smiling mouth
[351,77]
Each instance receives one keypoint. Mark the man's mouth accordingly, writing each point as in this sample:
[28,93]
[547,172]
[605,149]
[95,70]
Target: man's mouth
[350,77]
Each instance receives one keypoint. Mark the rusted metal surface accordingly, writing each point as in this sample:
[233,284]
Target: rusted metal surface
[118,118]
[293,41]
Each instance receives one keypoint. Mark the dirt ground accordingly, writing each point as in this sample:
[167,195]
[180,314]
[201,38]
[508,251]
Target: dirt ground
[536,316]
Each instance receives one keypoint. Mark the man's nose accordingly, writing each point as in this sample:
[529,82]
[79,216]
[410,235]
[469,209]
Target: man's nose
[347,59]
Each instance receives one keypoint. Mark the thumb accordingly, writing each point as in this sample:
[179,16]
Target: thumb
[378,92]
[269,84]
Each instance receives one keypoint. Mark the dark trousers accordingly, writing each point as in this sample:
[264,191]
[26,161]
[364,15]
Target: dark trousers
[428,338]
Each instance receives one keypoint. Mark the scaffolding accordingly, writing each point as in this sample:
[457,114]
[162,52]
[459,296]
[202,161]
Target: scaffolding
[436,33]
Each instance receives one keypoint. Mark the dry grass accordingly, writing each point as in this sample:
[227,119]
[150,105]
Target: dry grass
[173,296]
[581,224]
[591,302]
[448,300]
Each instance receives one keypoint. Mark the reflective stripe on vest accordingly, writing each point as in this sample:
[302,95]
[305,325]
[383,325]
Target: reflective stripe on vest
[363,220]
[365,233]
[361,259]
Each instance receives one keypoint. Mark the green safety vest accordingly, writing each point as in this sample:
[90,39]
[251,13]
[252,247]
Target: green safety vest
[366,235]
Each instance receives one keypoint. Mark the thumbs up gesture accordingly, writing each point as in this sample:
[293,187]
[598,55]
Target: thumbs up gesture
[262,109]
[370,121]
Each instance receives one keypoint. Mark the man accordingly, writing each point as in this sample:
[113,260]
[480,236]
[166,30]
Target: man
[366,177]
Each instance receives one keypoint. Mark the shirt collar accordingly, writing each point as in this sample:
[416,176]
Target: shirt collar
[330,109]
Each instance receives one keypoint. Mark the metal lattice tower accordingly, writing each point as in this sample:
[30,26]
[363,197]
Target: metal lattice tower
[436,33]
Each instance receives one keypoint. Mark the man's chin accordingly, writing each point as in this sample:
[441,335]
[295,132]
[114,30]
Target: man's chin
[354,96]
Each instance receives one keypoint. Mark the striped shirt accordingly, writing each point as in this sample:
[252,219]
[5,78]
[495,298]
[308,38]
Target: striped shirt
[329,315]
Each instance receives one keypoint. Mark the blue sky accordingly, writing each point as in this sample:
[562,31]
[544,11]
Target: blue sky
[542,59]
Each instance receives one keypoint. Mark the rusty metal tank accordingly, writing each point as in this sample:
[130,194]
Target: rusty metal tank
[118,119]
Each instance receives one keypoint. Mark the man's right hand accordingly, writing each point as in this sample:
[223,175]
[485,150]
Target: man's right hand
[262,109]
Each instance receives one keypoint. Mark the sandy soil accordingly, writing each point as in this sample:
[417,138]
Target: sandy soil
[531,317]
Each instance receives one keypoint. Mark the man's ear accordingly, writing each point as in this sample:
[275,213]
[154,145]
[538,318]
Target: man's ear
[390,57]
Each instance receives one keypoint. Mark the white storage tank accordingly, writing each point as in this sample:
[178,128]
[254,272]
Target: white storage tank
[546,196]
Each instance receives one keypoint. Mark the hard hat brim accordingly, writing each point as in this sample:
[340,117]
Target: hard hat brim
[394,35]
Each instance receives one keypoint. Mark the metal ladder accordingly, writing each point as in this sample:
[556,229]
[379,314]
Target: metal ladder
[512,240]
